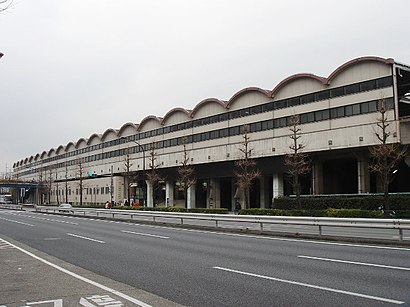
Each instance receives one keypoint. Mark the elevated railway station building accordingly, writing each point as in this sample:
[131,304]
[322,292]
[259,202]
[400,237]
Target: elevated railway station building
[338,121]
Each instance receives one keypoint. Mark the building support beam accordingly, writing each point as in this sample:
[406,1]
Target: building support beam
[169,194]
[277,186]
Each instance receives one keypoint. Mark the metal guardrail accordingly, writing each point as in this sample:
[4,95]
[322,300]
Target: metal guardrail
[320,222]
[11,207]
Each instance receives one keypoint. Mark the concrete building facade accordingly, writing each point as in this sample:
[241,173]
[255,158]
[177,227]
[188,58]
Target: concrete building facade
[338,121]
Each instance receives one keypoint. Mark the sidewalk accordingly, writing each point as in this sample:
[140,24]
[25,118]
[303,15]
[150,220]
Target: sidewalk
[32,278]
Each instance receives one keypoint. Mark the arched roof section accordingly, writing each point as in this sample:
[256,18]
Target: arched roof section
[80,141]
[36,157]
[150,118]
[15,164]
[21,162]
[292,78]
[69,146]
[30,159]
[129,126]
[51,151]
[175,111]
[25,160]
[108,132]
[43,154]
[245,91]
[93,137]
[59,149]
[206,102]
[350,63]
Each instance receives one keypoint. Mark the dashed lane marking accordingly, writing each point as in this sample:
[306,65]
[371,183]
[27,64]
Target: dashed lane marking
[144,234]
[356,263]
[371,297]
[85,238]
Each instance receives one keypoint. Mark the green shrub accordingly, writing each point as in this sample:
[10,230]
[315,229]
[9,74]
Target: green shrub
[353,213]
[365,202]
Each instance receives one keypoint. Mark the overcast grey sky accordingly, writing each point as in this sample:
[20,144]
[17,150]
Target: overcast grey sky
[76,67]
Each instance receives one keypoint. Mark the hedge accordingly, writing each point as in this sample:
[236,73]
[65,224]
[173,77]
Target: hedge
[373,202]
[330,212]
[176,209]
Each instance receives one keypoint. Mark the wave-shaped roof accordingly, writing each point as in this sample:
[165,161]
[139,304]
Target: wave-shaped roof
[224,104]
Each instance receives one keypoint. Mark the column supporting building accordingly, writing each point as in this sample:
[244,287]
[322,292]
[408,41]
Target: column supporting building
[150,200]
[169,194]
[277,186]
[363,175]
[191,196]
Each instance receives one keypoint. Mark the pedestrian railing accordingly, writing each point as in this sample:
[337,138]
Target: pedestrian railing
[11,207]
[216,219]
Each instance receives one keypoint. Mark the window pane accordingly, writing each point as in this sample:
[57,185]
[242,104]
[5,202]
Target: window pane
[356,109]
[267,107]
[349,110]
[351,89]
[280,104]
[336,92]
[321,95]
[368,85]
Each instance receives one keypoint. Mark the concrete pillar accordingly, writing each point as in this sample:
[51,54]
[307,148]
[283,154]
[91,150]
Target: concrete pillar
[317,178]
[363,175]
[169,194]
[150,200]
[214,194]
[277,186]
[191,196]
[263,192]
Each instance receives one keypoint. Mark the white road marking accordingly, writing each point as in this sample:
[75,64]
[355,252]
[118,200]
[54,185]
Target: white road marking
[85,238]
[144,234]
[1,218]
[89,281]
[279,239]
[381,299]
[57,303]
[357,263]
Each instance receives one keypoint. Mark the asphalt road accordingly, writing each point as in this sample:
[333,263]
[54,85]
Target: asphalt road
[202,268]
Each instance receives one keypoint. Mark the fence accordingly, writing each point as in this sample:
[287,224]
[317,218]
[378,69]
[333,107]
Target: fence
[216,219]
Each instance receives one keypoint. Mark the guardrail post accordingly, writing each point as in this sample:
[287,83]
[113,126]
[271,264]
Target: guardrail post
[261,226]
[153,218]
[182,221]
[113,215]
[216,223]
[132,216]
[320,230]
[400,234]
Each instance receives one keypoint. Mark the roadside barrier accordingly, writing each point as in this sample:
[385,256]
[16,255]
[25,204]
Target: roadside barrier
[262,221]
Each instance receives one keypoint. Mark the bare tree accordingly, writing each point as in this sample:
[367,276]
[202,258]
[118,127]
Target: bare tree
[80,178]
[128,175]
[297,161]
[245,168]
[186,175]
[57,190]
[385,156]
[5,4]
[50,184]
[152,174]
[66,182]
